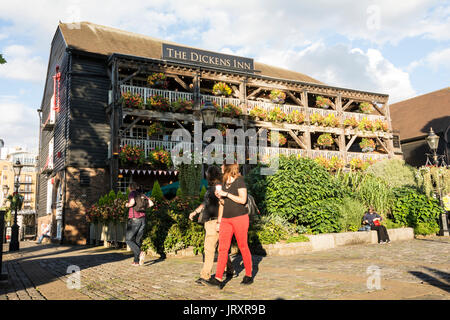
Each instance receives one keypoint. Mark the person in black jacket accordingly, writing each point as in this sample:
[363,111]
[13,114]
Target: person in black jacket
[373,219]
[210,207]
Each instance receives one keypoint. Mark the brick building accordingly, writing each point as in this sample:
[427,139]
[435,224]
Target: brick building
[86,120]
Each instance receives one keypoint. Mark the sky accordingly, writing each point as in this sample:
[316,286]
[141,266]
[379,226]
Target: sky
[399,48]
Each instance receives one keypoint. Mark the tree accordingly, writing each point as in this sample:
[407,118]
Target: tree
[2,60]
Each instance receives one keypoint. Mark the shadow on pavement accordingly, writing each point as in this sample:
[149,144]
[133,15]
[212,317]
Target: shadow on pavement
[433,280]
[431,240]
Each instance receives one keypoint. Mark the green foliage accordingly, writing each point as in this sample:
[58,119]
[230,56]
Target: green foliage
[321,216]
[295,189]
[394,172]
[157,193]
[426,229]
[257,186]
[179,193]
[433,180]
[2,60]
[109,207]
[390,224]
[202,192]
[270,229]
[298,238]
[412,208]
[190,176]
[351,213]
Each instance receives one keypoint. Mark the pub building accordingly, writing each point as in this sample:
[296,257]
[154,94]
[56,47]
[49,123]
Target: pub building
[109,90]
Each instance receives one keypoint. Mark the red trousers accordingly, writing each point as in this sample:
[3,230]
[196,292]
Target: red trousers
[238,227]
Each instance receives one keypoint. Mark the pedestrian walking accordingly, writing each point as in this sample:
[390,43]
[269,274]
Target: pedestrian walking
[373,219]
[45,229]
[233,219]
[210,211]
[138,202]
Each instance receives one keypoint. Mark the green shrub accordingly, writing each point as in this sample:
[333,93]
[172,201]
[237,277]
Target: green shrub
[426,229]
[298,238]
[270,229]
[179,193]
[157,193]
[321,216]
[351,213]
[190,176]
[257,186]
[202,192]
[394,172]
[390,224]
[295,189]
[412,208]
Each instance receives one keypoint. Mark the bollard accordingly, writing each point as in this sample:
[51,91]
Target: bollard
[3,276]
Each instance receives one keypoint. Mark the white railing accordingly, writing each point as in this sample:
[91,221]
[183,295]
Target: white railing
[366,156]
[360,116]
[146,93]
[221,101]
[325,154]
[322,112]
[286,108]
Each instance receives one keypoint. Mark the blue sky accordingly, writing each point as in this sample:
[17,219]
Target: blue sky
[401,48]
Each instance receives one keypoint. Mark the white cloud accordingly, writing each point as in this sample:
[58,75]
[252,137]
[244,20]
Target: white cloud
[19,124]
[435,61]
[22,65]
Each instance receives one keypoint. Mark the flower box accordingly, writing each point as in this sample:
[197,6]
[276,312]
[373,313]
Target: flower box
[366,107]
[277,96]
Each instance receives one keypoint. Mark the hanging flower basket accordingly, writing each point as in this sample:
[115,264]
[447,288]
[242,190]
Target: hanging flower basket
[158,80]
[221,89]
[322,102]
[155,129]
[258,113]
[366,107]
[277,96]
[132,155]
[325,140]
[133,101]
[367,145]
[160,158]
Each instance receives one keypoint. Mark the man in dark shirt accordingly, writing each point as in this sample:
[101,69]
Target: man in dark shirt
[373,219]
[135,226]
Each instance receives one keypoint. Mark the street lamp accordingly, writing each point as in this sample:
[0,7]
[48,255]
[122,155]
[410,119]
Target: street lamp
[433,143]
[14,244]
[208,114]
[3,276]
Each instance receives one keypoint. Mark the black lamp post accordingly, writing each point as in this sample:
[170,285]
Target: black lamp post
[433,142]
[208,114]
[14,244]
[3,276]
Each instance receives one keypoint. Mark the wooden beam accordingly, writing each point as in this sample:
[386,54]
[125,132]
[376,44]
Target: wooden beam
[132,124]
[350,142]
[347,105]
[383,145]
[181,82]
[299,102]
[254,93]
[379,111]
[131,76]
[236,91]
[296,139]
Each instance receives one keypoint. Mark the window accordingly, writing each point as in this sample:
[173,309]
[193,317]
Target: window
[140,133]
[123,184]
[49,196]
[85,178]
[396,141]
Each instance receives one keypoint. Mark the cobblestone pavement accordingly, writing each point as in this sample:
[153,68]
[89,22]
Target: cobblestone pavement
[415,269]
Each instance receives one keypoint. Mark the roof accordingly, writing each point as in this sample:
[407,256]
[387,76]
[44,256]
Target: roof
[414,117]
[104,40]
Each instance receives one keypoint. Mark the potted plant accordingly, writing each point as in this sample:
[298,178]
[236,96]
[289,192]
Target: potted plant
[160,158]
[277,96]
[130,100]
[366,107]
[221,89]
[336,163]
[295,117]
[158,80]
[182,106]
[155,129]
[232,110]
[367,145]
[258,113]
[351,123]
[380,125]
[366,125]
[276,115]
[325,140]
[324,162]
[282,140]
[316,119]
[132,155]
[331,121]
[158,103]
[322,102]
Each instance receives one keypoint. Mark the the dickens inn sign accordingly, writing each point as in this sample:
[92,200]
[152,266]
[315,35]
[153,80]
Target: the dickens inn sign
[206,58]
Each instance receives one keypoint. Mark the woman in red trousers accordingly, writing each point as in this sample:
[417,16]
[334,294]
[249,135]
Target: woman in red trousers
[233,219]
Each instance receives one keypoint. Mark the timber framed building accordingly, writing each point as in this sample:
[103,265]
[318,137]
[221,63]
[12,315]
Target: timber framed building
[85,120]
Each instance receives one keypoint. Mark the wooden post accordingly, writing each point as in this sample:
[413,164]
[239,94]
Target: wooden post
[114,161]
[390,142]
[341,144]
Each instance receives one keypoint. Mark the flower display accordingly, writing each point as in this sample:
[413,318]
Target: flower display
[232,110]
[380,125]
[222,129]
[324,162]
[221,89]
[160,158]
[182,106]
[325,139]
[282,140]
[360,164]
[277,96]
[316,119]
[155,129]
[331,121]
[158,80]
[258,112]
[276,115]
[132,154]
[365,107]
[351,122]
[158,103]
[109,208]
[366,125]
[131,100]
[322,102]
[295,117]
[336,163]
[367,145]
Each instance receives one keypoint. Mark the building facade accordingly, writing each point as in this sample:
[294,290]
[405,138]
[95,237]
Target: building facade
[108,90]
